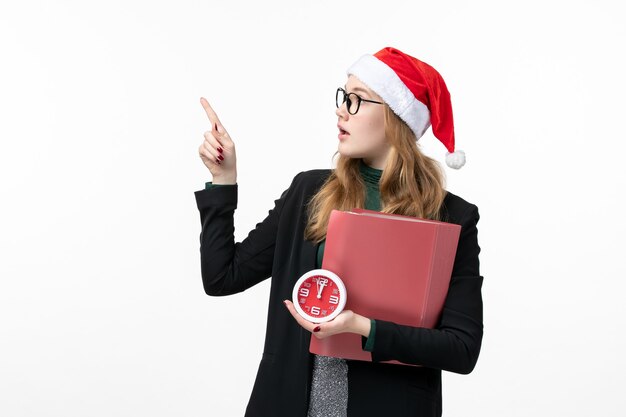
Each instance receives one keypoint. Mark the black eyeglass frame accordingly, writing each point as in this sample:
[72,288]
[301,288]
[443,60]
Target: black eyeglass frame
[346,97]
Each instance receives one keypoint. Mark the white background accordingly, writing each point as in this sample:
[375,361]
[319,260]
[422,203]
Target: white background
[102,311]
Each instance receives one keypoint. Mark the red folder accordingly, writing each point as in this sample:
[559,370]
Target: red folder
[396,268]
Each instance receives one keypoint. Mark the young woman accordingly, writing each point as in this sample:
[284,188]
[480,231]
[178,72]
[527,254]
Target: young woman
[389,100]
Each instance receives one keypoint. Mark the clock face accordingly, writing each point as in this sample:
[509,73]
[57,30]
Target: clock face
[319,295]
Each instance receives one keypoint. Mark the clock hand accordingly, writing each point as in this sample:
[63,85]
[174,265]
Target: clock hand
[319,292]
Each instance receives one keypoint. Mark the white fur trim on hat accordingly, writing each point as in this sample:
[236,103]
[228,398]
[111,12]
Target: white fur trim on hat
[381,79]
[455,159]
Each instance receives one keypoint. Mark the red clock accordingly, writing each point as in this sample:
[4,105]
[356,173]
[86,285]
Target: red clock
[319,295]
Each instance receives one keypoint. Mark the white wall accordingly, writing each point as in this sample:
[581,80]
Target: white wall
[101,302]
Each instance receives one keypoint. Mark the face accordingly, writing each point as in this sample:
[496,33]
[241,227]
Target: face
[362,135]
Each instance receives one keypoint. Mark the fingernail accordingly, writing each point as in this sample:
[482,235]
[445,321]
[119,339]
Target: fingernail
[317,329]
[219,150]
[285,303]
[220,157]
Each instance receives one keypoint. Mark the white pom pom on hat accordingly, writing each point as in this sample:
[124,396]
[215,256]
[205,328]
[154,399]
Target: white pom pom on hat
[415,91]
[455,159]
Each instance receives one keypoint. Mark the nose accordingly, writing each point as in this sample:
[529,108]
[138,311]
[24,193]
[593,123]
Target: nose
[342,111]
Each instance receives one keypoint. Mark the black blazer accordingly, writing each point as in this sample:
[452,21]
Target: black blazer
[277,248]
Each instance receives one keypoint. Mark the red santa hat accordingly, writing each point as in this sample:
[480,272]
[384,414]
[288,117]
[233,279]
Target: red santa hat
[415,91]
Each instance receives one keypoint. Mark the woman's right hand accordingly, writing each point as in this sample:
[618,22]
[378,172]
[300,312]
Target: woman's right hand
[217,151]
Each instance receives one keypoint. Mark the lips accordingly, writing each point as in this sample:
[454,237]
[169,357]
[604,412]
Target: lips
[342,131]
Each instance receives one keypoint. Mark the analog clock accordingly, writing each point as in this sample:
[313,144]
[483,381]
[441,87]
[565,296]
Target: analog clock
[319,295]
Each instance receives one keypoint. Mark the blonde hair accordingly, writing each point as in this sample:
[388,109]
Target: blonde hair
[411,184]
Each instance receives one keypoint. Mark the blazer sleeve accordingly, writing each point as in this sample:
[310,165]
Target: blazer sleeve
[455,344]
[228,267]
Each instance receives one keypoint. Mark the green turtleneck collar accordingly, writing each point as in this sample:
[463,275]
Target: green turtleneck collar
[371,176]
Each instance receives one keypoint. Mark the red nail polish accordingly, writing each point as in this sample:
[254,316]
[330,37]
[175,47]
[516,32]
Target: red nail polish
[317,329]
[219,150]
[220,157]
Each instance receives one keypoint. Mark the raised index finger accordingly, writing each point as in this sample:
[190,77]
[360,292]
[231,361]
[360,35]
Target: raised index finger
[209,112]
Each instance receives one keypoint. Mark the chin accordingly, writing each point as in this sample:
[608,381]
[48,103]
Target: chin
[345,153]
[345,149]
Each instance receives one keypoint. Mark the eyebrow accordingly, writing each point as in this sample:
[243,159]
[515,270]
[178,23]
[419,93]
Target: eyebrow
[358,89]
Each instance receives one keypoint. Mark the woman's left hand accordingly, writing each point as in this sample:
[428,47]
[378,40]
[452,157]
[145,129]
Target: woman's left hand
[346,321]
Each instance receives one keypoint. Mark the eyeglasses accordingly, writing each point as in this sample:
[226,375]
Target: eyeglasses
[353,100]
